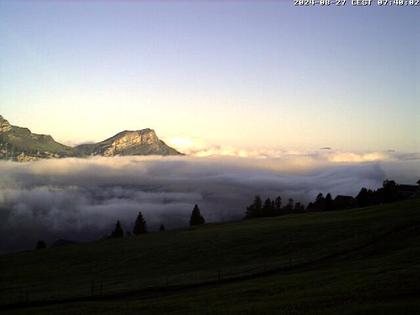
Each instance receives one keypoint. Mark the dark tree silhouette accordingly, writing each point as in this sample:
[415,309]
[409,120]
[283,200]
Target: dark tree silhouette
[272,208]
[41,245]
[267,209]
[319,203]
[418,189]
[139,225]
[390,191]
[328,202]
[277,203]
[162,228]
[299,207]
[196,217]
[310,206]
[118,231]
[363,198]
[319,198]
[255,209]
[290,204]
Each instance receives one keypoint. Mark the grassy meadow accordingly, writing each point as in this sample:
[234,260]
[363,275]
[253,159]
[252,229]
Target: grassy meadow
[359,261]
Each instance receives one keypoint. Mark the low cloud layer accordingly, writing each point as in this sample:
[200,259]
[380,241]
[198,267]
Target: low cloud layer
[81,199]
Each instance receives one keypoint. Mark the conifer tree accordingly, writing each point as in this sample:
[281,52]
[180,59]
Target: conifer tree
[362,198]
[139,225]
[328,202]
[196,217]
[290,204]
[255,209]
[319,203]
[267,208]
[299,207]
[390,191]
[118,231]
[277,203]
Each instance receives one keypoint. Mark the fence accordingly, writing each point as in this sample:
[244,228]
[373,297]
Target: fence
[119,285]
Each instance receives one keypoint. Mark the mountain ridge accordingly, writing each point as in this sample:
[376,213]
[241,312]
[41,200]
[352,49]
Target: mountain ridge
[20,144]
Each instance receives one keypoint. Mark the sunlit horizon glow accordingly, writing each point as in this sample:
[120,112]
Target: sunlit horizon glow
[215,77]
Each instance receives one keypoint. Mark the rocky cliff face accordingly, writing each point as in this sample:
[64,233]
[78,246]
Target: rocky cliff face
[138,142]
[20,144]
[4,125]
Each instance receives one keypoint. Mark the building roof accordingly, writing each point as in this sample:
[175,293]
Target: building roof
[411,188]
[344,198]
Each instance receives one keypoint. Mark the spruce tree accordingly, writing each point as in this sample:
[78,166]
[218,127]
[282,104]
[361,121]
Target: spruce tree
[139,225]
[118,231]
[390,191]
[255,209]
[277,203]
[362,198]
[290,204]
[196,217]
[328,202]
[319,203]
[299,207]
[277,208]
[267,208]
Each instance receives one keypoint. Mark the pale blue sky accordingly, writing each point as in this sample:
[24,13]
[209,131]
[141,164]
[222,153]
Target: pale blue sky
[240,73]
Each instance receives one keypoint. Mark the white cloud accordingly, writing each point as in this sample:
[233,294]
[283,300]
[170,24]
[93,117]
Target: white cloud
[199,148]
[82,198]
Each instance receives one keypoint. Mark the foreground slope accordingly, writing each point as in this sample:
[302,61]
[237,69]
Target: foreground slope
[351,262]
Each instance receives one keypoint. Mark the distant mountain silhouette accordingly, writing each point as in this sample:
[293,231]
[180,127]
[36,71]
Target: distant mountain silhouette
[20,144]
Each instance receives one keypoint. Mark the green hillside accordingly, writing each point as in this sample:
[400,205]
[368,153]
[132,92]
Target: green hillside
[361,261]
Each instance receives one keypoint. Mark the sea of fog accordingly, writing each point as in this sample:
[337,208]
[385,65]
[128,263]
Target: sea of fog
[81,199]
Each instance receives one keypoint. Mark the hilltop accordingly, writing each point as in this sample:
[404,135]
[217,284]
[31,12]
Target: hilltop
[20,144]
[358,261]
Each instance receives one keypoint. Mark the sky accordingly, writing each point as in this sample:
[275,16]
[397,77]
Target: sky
[231,73]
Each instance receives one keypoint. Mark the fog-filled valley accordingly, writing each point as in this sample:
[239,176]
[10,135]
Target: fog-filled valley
[81,199]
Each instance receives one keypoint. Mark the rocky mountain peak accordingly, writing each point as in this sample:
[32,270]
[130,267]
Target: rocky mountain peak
[144,136]
[20,144]
[4,125]
[128,139]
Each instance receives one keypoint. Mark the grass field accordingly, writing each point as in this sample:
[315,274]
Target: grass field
[361,261]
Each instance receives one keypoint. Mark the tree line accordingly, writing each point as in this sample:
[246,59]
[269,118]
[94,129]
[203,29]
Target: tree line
[272,208]
[389,192]
[140,226]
